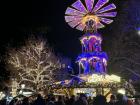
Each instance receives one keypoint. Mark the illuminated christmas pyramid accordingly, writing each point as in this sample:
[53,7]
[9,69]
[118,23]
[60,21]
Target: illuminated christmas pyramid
[89,19]
[92,59]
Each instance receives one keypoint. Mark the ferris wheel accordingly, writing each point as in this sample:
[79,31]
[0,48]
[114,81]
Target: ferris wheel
[101,13]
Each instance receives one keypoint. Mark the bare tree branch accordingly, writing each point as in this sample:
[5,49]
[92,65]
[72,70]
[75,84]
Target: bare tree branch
[34,63]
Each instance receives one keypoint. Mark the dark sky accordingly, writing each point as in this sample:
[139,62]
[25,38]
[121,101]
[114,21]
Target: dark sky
[20,17]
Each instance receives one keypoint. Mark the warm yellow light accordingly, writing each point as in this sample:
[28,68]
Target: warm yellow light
[115,78]
[103,78]
[22,86]
[121,91]
[90,17]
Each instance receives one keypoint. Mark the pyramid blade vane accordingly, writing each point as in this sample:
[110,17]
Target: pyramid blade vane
[71,11]
[100,4]
[100,25]
[109,14]
[80,27]
[107,8]
[72,18]
[89,4]
[79,6]
[105,20]
[74,23]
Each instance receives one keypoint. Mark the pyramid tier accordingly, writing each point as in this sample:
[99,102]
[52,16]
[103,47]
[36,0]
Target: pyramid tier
[91,42]
[93,62]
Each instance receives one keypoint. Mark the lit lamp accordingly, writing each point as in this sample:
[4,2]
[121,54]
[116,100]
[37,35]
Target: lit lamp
[20,92]
[22,86]
[121,91]
[2,95]
[115,78]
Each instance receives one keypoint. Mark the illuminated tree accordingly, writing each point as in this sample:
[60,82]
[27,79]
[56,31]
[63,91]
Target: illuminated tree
[33,64]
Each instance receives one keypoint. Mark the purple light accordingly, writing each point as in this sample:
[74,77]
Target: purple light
[72,18]
[99,4]
[107,8]
[100,25]
[80,27]
[109,14]
[71,11]
[89,4]
[74,23]
[80,15]
[105,20]
[79,6]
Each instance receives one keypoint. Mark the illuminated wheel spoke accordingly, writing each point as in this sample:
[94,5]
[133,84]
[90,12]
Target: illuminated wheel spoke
[71,11]
[109,14]
[107,8]
[89,4]
[72,18]
[80,27]
[100,4]
[100,25]
[105,20]
[74,23]
[79,6]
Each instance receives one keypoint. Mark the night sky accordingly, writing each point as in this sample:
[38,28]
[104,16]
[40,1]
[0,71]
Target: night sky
[20,18]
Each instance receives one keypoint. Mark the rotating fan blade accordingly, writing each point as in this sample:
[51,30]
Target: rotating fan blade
[79,6]
[80,27]
[74,23]
[72,18]
[100,25]
[107,8]
[109,14]
[71,11]
[99,4]
[105,20]
[89,4]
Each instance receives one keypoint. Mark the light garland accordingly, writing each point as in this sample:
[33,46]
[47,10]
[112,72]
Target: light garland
[95,78]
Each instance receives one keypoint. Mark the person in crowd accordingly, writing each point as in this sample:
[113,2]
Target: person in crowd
[39,100]
[13,101]
[112,100]
[72,100]
[127,100]
[25,101]
[90,100]
[67,101]
[82,100]
[137,101]
[51,101]
[100,100]
[60,101]
[121,100]
[3,102]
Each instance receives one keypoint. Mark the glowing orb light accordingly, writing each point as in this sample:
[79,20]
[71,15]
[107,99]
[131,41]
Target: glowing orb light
[121,91]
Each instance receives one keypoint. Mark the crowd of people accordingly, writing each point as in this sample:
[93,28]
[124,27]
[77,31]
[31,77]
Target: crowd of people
[82,99]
